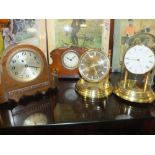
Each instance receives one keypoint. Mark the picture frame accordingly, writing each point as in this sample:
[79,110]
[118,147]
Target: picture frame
[91,33]
[124,30]
[29,31]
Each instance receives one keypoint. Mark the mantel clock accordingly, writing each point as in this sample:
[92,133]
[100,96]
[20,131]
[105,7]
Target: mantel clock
[65,61]
[25,71]
[94,69]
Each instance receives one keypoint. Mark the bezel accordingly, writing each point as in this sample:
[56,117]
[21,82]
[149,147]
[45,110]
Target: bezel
[108,64]
[62,59]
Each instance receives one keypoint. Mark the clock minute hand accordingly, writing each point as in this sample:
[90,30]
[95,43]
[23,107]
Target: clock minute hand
[33,66]
[73,57]
[132,59]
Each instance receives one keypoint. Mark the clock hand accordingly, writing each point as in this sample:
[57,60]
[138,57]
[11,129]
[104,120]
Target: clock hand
[93,66]
[132,59]
[140,66]
[34,66]
[73,57]
[31,66]
[68,58]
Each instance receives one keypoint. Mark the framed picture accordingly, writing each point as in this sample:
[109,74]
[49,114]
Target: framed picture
[31,31]
[83,33]
[124,30]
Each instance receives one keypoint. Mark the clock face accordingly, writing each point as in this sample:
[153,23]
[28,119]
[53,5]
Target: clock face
[24,65]
[139,59]
[35,119]
[94,66]
[70,59]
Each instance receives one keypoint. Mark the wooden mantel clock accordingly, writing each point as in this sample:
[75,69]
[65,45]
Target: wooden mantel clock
[25,71]
[65,61]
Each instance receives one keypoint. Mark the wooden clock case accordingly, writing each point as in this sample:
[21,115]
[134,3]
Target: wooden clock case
[16,89]
[57,65]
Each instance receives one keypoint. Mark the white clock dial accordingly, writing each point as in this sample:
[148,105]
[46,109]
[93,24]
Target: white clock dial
[36,119]
[24,65]
[70,59]
[139,59]
[94,66]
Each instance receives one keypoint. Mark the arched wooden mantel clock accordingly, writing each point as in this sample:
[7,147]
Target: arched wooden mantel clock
[25,71]
[139,64]
[94,69]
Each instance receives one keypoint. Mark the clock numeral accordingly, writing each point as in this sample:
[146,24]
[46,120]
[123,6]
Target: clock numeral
[151,62]
[35,57]
[130,67]
[13,61]
[22,60]
[16,73]
[147,67]
[21,76]
[104,70]
[23,53]
[13,68]
[151,56]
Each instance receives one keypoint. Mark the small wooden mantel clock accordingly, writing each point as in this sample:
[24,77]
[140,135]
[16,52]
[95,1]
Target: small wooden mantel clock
[25,71]
[66,60]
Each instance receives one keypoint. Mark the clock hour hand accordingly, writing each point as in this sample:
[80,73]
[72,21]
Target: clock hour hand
[68,59]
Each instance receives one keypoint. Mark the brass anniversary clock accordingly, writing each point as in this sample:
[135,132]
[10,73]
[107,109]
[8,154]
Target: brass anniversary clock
[24,71]
[94,69]
[135,85]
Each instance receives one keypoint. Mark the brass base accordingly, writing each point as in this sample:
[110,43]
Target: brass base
[93,91]
[133,94]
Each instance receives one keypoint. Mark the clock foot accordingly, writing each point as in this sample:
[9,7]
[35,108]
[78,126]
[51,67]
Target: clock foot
[93,91]
[137,95]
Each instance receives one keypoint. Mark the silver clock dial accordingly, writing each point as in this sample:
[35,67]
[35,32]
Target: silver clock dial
[139,59]
[70,59]
[25,65]
[94,66]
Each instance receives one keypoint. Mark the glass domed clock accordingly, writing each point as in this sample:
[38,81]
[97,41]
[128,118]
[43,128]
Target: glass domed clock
[135,84]
[94,69]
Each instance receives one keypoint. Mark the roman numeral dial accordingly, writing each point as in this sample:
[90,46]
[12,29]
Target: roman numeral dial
[139,59]
[94,66]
